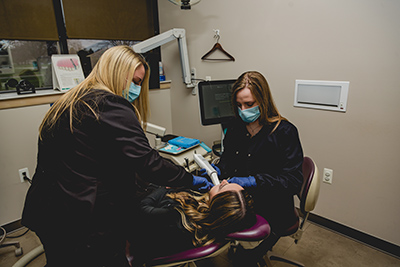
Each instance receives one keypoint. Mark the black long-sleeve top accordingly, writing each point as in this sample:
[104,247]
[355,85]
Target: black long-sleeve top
[274,159]
[85,180]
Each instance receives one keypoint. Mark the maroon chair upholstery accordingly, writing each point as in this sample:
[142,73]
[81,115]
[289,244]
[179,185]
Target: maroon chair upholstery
[258,232]
[248,239]
[189,256]
[308,197]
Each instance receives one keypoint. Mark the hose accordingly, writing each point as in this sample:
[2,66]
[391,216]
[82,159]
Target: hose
[31,255]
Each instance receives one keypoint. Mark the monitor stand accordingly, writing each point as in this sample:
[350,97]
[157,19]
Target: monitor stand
[218,147]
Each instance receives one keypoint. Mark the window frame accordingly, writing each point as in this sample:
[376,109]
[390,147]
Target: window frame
[153,56]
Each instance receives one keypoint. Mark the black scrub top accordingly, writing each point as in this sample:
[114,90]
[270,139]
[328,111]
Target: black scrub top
[274,159]
[85,179]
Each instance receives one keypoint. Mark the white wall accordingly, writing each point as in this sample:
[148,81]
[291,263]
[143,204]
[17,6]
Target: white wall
[345,40]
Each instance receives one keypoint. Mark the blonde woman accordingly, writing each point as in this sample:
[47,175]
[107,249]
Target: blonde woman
[91,147]
[177,220]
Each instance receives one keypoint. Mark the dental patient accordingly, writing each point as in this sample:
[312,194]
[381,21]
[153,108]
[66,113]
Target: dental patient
[172,221]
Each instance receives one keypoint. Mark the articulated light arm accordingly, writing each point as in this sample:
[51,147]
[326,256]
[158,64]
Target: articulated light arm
[167,37]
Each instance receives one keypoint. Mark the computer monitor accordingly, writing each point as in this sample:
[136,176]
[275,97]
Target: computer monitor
[215,101]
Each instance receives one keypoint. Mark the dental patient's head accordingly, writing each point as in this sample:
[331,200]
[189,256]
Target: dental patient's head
[225,209]
[223,187]
[230,208]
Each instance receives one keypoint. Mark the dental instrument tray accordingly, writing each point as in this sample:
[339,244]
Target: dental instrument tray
[184,142]
[173,149]
[178,144]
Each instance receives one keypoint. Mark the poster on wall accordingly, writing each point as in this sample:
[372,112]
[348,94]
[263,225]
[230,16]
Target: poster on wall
[66,71]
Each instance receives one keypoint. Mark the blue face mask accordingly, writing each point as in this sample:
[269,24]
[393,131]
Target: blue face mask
[134,91]
[250,114]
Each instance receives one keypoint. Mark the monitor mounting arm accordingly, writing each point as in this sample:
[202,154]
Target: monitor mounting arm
[167,37]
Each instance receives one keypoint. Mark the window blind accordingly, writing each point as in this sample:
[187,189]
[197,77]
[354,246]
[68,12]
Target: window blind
[109,20]
[28,20]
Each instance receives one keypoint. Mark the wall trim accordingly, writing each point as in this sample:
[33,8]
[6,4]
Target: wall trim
[13,226]
[369,240]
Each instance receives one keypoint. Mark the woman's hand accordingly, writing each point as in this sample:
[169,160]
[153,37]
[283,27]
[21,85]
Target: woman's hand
[203,172]
[201,183]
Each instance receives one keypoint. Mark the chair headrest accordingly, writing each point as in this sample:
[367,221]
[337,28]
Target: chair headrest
[257,232]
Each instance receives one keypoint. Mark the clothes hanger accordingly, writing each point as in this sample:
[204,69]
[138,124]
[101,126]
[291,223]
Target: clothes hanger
[217,46]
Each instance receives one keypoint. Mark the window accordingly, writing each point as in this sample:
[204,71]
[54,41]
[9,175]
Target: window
[26,61]
[89,51]
[31,31]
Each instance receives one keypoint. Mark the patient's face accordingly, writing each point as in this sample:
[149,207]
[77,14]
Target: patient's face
[222,187]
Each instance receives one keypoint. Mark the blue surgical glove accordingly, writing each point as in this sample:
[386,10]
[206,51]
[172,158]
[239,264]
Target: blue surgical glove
[249,181]
[203,172]
[201,183]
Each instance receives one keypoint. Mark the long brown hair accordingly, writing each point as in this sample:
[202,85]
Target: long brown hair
[227,212]
[113,72]
[259,87]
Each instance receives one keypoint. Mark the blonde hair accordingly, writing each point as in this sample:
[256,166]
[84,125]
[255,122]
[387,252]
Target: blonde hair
[259,88]
[113,73]
[227,212]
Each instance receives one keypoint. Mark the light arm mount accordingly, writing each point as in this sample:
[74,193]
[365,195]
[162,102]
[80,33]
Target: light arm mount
[158,131]
[166,37]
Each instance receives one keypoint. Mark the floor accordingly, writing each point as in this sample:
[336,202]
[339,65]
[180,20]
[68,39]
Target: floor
[318,247]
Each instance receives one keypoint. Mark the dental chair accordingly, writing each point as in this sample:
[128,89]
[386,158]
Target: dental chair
[308,197]
[248,237]
[260,231]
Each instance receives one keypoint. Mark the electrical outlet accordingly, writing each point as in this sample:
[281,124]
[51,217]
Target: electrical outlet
[327,176]
[21,174]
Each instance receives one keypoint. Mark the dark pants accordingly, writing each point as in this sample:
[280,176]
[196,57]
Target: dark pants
[251,257]
[96,250]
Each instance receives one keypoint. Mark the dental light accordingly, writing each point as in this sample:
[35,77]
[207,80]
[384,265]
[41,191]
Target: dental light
[185,4]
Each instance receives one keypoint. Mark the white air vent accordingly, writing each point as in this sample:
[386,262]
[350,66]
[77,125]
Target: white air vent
[328,95]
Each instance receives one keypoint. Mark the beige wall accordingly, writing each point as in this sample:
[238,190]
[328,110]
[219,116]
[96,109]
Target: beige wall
[346,40]
[18,148]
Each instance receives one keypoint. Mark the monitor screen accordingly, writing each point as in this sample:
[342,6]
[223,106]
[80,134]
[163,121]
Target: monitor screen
[215,101]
